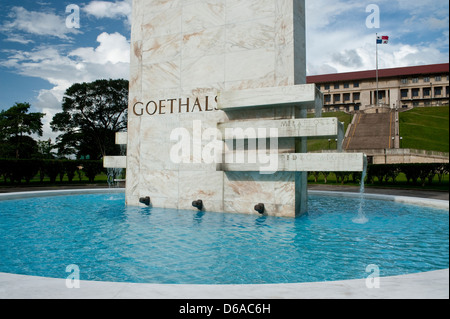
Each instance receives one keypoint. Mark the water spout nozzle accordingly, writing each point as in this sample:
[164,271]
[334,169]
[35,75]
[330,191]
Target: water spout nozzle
[198,204]
[260,208]
[145,200]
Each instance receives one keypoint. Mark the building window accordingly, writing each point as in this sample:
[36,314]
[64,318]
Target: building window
[415,80]
[327,86]
[415,93]
[437,91]
[346,85]
[426,79]
[356,96]
[327,98]
[426,91]
[337,98]
[356,84]
[438,78]
[404,81]
[446,91]
[347,97]
[336,86]
[404,93]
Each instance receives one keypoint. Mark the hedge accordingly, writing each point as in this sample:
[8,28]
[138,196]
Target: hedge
[425,173]
[16,171]
[413,172]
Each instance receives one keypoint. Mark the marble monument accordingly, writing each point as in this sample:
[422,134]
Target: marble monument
[218,105]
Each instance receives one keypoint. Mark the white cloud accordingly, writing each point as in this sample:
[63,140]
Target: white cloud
[112,10]
[49,103]
[435,23]
[109,60]
[18,39]
[35,23]
[323,13]
[113,48]
[338,39]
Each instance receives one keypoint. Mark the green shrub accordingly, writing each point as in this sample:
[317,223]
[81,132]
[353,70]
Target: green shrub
[70,169]
[91,169]
[29,169]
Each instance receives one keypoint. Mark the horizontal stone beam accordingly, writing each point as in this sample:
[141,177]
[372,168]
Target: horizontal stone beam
[121,138]
[318,127]
[306,95]
[115,162]
[312,162]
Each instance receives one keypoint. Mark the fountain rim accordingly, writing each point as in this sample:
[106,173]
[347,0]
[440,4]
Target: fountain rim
[417,201]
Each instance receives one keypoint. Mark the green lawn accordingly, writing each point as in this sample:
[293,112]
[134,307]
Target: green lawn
[323,144]
[77,180]
[421,128]
[425,128]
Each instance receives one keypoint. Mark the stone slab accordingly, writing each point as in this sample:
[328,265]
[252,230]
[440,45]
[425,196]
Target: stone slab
[305,95]
[122,138]
[313,162]
[318,127]
[115,162]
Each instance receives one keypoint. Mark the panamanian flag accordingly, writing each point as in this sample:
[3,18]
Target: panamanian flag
[384,39]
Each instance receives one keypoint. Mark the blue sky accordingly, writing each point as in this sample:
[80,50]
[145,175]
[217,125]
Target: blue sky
[40,57]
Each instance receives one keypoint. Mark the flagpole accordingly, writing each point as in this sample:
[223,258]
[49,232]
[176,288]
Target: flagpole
[377,97]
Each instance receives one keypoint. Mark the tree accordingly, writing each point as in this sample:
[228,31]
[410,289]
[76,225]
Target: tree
[92,114]
[44,149]
[16,124]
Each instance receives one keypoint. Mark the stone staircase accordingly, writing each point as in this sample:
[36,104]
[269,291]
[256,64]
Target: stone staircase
[371,131]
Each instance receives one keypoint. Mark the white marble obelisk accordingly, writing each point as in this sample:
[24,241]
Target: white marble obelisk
[199,67]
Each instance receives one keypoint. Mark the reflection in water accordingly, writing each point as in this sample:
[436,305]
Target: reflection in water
[260,221]
[198,217]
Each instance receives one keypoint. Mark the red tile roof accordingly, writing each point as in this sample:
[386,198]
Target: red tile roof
[383,73]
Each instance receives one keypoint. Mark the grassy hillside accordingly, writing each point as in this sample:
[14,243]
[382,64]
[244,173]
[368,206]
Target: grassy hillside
[425,129]
[323,144]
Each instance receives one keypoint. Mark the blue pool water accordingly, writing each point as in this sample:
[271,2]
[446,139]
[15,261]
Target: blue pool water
[111,242]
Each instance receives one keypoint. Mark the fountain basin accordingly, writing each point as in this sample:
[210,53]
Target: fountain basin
[226,248]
